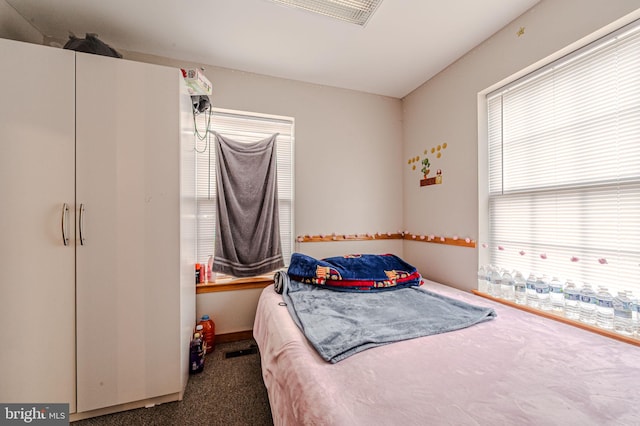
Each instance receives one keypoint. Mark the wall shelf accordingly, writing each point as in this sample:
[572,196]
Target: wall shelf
[434,239]
[560,318]
[347,237]
[451,241]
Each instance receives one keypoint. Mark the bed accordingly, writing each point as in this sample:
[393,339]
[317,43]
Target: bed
[516,369]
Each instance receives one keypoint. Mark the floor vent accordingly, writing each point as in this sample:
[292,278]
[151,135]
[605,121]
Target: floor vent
[241,352]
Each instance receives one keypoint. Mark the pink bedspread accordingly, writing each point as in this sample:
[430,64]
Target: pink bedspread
[519,369]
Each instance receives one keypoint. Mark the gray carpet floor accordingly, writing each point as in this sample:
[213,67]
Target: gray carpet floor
[229,392]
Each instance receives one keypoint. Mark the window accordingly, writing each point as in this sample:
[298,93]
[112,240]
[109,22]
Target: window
[564,167]
[242,127]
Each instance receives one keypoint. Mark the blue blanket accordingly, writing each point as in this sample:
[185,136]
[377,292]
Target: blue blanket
[355,272]
[341,324]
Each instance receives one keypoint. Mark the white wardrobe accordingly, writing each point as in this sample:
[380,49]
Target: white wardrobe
[97,207]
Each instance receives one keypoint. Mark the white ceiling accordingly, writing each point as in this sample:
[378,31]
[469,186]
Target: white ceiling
[405,43]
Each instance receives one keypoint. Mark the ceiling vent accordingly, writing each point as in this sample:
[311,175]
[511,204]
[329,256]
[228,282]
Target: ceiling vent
[354,11]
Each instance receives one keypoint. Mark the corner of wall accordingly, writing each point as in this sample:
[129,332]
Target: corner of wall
[448,108]
[15,27]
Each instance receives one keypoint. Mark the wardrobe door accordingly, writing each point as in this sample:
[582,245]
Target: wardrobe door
[37,275]
[128,278]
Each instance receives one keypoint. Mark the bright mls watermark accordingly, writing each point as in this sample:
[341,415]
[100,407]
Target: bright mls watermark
[36,414]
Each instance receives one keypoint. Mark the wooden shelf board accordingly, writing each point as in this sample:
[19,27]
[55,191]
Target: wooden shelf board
[560,318]
[232,284]
[460,242]
[352,237]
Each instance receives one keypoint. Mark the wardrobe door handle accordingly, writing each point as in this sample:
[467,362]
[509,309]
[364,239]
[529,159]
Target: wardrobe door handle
[65,224]
[81,224]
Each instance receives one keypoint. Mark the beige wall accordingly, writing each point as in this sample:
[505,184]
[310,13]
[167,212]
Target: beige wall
[348,155]
[348,152]
[445,109]
[14,27]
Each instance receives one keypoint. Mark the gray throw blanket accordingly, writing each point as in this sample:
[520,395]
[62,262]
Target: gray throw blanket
[340,324]
[247,221]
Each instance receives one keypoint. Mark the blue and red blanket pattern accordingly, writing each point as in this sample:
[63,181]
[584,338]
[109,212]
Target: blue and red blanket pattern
[355,272]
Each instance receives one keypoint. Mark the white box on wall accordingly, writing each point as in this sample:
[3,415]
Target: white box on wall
[197,83]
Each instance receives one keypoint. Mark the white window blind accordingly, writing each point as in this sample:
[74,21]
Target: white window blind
[564,167]
[242,127]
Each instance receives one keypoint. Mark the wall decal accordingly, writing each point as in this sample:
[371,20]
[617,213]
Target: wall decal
[425,165]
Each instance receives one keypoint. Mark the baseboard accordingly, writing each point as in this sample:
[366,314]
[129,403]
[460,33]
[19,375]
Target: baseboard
[148,403]
[234,337]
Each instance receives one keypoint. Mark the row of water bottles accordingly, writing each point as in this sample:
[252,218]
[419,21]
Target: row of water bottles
[592,306]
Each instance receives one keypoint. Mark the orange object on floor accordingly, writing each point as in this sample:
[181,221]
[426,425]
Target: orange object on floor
[209,331]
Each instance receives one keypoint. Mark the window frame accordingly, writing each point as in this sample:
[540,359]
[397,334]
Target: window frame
[205,125]
[491,247]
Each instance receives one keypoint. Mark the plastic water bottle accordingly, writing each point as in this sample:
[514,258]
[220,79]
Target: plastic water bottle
[623,314]
[507,286]
[571,300]
[587,304]
[496,282]
[556,295]
[604,308]
[635,315]
[489,270]
[520,289]
[532,297]
[543,293]
[482,279]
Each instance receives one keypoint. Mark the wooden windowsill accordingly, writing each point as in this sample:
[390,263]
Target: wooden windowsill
[232,284]
[560,318]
